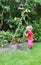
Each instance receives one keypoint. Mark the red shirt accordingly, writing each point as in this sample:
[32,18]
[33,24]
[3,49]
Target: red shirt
[30,35]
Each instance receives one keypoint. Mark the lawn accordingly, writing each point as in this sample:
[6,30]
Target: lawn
[25,57]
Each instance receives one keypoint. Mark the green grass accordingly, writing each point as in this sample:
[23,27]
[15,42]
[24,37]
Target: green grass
[25,57]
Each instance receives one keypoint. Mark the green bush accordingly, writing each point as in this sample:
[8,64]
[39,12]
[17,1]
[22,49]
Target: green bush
[18,26]
[13,23]
[5,37]
[37,30]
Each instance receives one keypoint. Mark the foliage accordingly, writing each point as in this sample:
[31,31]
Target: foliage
[13,23]
[16,20]
[32,18]
[37,31]
[5,37]
[39,1]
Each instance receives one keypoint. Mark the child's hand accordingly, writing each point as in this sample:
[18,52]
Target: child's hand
[33,39]
[26,34]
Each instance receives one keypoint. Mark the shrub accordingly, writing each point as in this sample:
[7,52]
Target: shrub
[5,37]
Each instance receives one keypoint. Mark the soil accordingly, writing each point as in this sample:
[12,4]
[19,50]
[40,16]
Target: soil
[12,47]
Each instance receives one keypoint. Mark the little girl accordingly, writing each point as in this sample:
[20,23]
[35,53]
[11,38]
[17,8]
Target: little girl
[28,32]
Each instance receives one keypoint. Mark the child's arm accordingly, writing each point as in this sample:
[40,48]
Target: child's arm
[25,33]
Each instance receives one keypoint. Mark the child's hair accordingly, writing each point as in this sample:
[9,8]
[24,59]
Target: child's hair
[29,27]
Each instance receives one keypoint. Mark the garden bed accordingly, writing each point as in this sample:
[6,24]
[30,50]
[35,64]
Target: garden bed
[12,47]
[8,48]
